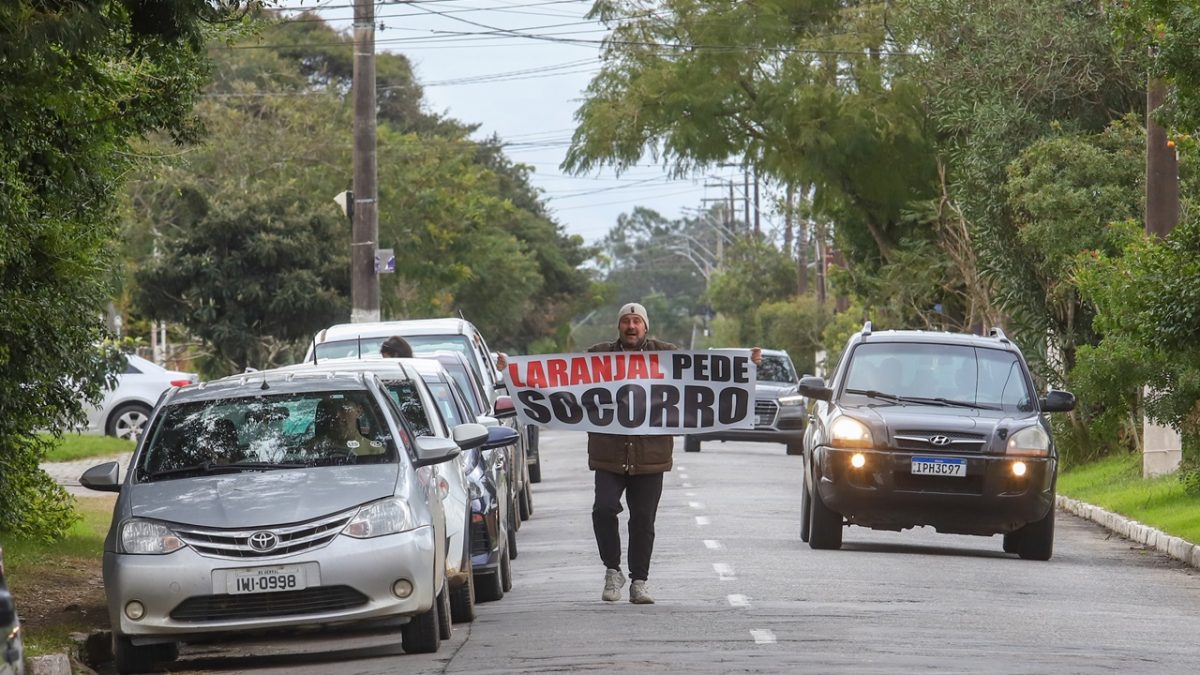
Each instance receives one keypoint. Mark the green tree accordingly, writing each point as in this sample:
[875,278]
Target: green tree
[81,79]
[754,273]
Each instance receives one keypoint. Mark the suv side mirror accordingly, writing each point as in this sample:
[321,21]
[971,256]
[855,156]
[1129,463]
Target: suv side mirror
[102,477]
[470,435]
[1057,401]
[504,408]
[499,437]
[434,450]
[814,387]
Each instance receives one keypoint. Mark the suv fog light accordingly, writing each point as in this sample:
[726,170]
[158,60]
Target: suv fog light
[857,460]
[135,610]
[1019,468]
[402,588]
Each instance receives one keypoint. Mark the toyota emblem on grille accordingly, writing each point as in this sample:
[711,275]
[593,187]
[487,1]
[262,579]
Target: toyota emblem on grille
[939,440]
[263,541]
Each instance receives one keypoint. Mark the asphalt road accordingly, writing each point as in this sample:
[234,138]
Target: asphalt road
[738,592]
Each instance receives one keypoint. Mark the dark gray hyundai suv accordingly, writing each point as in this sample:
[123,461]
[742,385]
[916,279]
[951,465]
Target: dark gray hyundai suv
[929,428]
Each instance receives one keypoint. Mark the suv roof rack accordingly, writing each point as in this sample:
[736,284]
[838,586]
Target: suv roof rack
[998,334]
[867,327]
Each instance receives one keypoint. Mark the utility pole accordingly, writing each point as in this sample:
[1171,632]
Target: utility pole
[757,223]
[1162,446]
[364,237]
[746,191]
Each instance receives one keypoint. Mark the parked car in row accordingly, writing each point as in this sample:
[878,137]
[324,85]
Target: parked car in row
[428,336]
[930,428]
[779,412]
[12,656]
[124,409]
[271,500]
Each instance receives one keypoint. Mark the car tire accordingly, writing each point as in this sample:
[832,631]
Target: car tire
[805,507]
[512,540]
[824,525]
[462,600]
[131,658]
[445,619]
[128,420]
[691,444]
[526,503]
[506,573]
[423,634]
[795,449]
[1036,539]
[535,469]
[1012,542]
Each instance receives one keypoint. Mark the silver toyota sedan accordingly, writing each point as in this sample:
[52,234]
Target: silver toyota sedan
[271,500]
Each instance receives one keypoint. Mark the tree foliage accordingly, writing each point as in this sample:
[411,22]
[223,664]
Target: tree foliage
[81,79]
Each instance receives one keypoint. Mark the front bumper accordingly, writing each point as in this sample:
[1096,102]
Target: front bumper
[773,423]
[884,493]
[349,580]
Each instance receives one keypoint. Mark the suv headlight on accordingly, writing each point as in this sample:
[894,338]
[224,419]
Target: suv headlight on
[847,432]
[146,537]
[790,400]
[386,516]
[1029,442]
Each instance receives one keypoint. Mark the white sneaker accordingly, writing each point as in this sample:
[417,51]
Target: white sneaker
[638,594]
[614,581]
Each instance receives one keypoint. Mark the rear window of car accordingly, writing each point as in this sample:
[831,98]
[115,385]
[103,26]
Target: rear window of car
[350,349]
[988,377]
[266,432]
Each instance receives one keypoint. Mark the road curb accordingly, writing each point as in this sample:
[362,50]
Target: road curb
[1175,547]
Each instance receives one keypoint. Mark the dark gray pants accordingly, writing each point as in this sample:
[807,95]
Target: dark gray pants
[641,494]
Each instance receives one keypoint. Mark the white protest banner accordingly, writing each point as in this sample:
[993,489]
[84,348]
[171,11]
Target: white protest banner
[639,393]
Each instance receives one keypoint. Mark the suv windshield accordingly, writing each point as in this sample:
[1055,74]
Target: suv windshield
[776,368]
[949,374]
[261,433]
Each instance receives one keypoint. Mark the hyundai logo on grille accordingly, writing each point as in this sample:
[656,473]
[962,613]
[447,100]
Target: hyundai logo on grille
[263,541]
[939,441]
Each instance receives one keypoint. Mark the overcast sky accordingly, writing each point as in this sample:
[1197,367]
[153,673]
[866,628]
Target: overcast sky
[526,90]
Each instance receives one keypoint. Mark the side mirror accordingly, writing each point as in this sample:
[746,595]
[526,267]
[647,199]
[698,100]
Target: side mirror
[8,610]
[487,420]
[1057,401]
[499,437]
[504,408]
[102,477]
[434,450]
[470,435]
[814,387]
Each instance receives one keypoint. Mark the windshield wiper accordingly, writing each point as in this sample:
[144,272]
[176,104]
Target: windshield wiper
[950,403]
[871,393]
[212,468]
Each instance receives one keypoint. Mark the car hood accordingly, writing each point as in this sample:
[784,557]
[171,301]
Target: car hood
[259,498]
[900,418]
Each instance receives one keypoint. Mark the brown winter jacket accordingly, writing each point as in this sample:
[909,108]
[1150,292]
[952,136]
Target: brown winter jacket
[630,454]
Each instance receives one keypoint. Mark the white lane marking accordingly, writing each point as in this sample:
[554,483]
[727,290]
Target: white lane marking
[689,494]
[725,572]
[696,505]
[681,468]
[702,520]
[713,544]
[683,476]
[763,636]
[738,600]
[687,485]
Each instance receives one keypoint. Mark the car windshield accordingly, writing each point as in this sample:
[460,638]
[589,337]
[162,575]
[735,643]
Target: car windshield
[350,349]
[776,368]
[899,372]
[265,432]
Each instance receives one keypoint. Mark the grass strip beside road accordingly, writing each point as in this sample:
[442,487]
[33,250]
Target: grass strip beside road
[70,447]
[1116,484]
[58,586]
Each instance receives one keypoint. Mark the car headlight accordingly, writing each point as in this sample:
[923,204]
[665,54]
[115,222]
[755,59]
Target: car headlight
[148,537]
[1029,442]
[387,516]
[793,400]
[848,432]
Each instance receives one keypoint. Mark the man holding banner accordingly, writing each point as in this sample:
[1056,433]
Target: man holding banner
[631,401]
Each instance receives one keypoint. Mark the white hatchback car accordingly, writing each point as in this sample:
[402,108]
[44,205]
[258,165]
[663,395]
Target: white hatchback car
[124,409]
